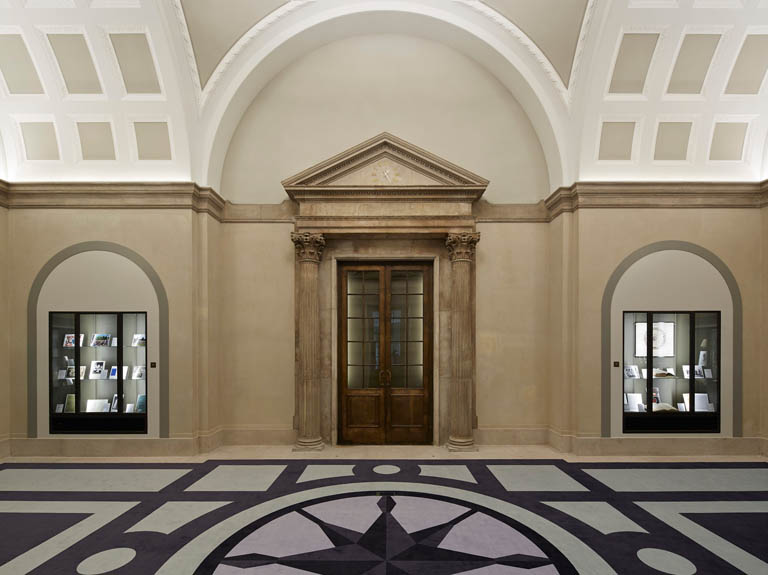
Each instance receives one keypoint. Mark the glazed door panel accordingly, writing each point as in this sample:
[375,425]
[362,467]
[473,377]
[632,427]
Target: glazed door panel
[385,353]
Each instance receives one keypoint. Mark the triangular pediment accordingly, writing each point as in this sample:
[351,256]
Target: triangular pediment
[384,165]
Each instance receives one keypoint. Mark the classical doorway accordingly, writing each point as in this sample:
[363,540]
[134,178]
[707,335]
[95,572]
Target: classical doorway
[385,353]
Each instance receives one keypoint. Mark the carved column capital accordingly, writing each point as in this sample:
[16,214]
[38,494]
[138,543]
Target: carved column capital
[461,247]
[309,247]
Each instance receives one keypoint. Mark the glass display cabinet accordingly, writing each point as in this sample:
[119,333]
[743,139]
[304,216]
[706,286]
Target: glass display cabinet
[683,357]
[98,372]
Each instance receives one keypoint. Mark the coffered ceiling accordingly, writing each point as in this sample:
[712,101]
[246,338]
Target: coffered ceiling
[150,90]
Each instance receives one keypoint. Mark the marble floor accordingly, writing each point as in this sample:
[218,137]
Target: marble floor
[337,516]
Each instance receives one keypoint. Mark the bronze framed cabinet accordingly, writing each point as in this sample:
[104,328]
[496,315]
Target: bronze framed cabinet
[98,372]
[385,353]
[672,372]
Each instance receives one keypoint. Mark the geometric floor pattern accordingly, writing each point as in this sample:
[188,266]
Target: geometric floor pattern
[404,517]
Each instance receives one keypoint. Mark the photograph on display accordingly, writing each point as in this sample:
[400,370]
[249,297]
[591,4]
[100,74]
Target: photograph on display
[59,408]
[114,342]
[138,372]
[699,371]
[101,339]
[71,372]
[631,372]
[82,372]
[708,373]
[62,374]
[139,340]
[114,403]
[96,405]
[98,370]
[663,334]
[141,403]
[687,371]
[113,372]
[69,340]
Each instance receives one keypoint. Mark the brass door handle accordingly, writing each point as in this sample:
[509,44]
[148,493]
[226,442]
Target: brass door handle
[389,377]
[382,375]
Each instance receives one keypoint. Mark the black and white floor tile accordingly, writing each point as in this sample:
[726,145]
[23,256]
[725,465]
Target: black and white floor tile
[406,517]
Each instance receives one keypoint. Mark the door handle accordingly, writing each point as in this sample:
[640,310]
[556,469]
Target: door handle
[389,378]
[382,376]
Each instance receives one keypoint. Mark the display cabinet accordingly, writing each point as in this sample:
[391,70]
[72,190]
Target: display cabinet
[98,372]
[669,356]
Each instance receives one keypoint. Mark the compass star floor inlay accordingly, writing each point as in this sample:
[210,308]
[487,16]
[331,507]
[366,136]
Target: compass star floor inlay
[337,517]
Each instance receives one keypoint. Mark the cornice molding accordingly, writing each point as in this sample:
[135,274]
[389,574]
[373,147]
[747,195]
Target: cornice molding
[114,195]
[657,195]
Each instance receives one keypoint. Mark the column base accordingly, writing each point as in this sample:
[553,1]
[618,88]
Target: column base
[461,444]
[309,444]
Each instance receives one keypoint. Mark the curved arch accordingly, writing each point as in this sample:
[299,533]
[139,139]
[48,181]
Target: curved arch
[610,288]
[34,294]
[256,62]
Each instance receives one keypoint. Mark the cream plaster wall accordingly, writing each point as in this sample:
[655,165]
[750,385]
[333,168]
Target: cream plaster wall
[162,237]
[5,332]
[608,236]
[256,333]
[350,90]
[512,333]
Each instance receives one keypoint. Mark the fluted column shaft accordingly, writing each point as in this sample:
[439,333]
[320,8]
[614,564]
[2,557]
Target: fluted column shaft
[462,253]
[309,251]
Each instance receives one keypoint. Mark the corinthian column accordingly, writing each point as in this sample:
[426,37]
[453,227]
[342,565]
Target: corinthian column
[309,250]
[462,252]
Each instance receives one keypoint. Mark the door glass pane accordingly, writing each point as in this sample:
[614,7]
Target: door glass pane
[397,329]
[372,330]
[354,353]
[398,352]
[635,362]
[63,369]
[398,376]
[354,282]
[371,281]
[354,377]
[398,282]
[371,354]
[134,344]
[706,341]
[415,376]
[415,353]
[99,355]
[354,330]
[371,377]
[670,351]
[354,306]
[415,305]
[371,306]
[415,329]
[416,282]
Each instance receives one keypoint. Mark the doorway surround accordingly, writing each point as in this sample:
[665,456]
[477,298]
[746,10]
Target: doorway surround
[385,199]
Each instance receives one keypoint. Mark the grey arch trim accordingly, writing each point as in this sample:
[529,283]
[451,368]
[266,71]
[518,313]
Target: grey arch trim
[34,295]
[610,288]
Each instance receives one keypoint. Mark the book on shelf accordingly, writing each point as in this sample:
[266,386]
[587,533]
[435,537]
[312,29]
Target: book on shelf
[113,372]
[114,403]
[129,408]
[82,372]
[708,373]
[139,340]
[138,372]
[96,405]
[141,403]
[101,339]
[69,339]
[656,395]
[59,408]
[114,342]
[71,372]
[69,403]
[62,374]
[98,370]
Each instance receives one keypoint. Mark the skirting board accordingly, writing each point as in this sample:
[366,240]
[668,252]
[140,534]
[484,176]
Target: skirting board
[694,445]
[5,447]
[511,436]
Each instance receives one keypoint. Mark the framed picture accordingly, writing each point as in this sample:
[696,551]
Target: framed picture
[139,340]
[69,339]
[708,373]
[71,372]
[82,372]
[138,372]
[698,371]
[663,334]
[631,372]
[101,339]
[98,370]
[687,371]
[59,408]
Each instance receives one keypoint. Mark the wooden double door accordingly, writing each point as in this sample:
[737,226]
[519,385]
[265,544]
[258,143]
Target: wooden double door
[385,353]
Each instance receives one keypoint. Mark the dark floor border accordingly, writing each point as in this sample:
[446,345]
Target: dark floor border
[34,295]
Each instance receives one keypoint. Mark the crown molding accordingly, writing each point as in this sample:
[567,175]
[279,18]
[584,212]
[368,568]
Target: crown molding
[4,194]
[643,195]
[113,195]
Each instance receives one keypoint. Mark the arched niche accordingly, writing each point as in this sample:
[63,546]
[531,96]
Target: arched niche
[91,277]
[672,276]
